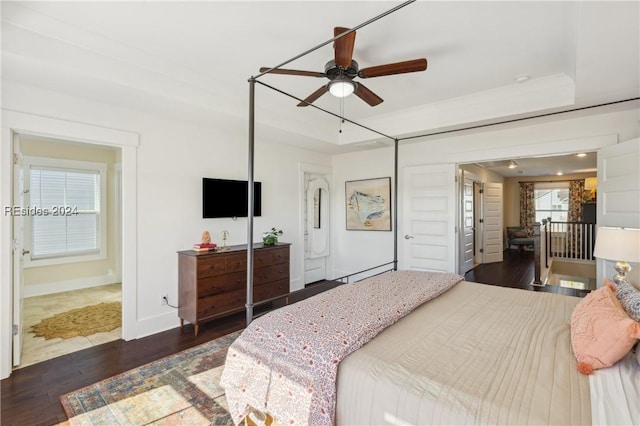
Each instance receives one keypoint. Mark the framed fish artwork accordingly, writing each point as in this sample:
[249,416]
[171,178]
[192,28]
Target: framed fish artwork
[368,204]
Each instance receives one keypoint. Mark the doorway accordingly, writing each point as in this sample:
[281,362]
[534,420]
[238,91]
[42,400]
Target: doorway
[317,227]
[20,122]
[70,257]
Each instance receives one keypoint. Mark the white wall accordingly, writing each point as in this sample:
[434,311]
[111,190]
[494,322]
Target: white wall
[172,158]
[353,251]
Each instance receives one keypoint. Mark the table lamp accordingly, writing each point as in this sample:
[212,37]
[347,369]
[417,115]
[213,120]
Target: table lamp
[621,245]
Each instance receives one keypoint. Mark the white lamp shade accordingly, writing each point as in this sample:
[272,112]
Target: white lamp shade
[341,88]
[619,244]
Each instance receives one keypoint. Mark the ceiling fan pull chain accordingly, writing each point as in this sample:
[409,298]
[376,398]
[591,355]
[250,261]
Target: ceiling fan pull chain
[341,114]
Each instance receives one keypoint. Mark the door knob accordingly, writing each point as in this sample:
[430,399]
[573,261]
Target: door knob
[408,237]
[25,252]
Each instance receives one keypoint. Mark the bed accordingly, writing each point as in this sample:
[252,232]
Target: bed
[477,354]
[472,354]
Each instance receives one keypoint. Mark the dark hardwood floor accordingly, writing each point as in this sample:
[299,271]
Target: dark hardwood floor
[31,395]
[516,271]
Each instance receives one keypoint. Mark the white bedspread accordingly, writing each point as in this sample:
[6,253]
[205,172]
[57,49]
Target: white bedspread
[477,354]
[615,393]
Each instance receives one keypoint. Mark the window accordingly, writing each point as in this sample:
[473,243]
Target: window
[552,202]
[67,199]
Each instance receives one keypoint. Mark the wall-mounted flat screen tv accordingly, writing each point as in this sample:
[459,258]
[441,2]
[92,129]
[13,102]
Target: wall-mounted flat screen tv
[228,198]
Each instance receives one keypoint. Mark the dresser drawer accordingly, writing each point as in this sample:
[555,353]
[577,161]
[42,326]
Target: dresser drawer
[270,273]
[211,266]
[236,262]
[271,256]
[270,290]
[222,283]
[221,303]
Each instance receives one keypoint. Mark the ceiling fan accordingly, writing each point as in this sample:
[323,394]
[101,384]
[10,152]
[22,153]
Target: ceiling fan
[342,70]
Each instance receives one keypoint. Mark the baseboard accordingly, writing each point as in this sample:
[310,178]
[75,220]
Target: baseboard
[157,324]
[68,285]
[296,284]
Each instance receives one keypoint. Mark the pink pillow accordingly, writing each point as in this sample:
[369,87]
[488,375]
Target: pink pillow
[601,331]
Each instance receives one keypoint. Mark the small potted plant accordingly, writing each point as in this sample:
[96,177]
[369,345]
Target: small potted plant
[270,238]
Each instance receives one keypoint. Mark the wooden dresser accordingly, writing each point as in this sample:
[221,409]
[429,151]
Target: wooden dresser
[214,284]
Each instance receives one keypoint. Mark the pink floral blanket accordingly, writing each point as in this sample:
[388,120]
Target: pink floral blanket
[285,363]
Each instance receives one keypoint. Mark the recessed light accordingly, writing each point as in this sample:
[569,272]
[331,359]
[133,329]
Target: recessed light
[559,173]
[582,154]
[521,78]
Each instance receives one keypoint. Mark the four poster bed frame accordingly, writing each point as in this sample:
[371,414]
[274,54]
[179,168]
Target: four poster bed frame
[415,347]
[251,159]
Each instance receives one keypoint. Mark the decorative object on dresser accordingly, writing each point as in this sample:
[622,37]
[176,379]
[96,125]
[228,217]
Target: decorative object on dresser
[206,238]
[205,243]
[225,237]
[270,238]
[212,285]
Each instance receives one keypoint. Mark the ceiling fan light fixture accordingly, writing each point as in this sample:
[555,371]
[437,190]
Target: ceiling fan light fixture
[341,87]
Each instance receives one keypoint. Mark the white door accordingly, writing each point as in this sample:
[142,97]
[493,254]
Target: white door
[618,193]
[18,250]
[317,229]
[492,243]
[428,240]
[468,226]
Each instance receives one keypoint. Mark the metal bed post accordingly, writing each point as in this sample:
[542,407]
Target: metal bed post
[250,201]
[395,204]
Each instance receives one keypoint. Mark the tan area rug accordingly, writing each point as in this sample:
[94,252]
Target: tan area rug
[85,321]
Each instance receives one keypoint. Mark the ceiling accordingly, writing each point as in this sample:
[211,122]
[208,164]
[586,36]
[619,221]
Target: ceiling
[544,166]
[191,60]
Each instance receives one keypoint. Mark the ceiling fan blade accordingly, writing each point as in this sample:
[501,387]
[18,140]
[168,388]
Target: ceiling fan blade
[294,72]
[414,65]
[312,97]
[367,95]
[343,46]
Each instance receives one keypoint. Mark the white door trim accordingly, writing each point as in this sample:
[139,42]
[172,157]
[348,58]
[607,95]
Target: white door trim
[18,122]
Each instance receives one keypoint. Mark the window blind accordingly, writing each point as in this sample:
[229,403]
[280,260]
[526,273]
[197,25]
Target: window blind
[69,201]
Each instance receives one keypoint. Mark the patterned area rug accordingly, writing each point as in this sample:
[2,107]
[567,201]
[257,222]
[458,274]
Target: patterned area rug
[181,389]
[85,321]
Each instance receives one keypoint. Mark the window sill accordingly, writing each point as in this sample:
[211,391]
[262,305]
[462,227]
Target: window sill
[36,263]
